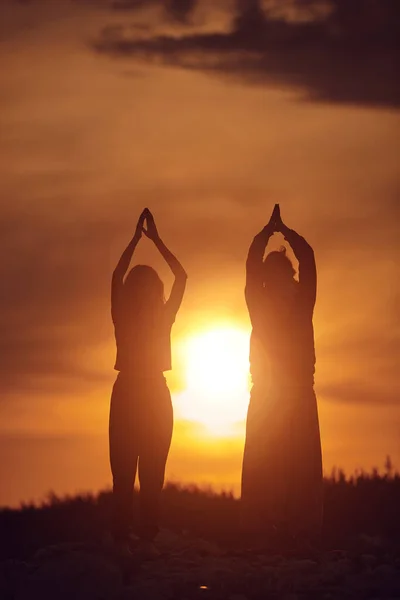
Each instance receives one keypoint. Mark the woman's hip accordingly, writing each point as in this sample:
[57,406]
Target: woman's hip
[141,399]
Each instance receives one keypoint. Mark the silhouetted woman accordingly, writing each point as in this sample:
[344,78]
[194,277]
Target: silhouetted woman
[282,465]
[141,417]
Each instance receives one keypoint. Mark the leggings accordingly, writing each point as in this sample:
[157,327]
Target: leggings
[140,431]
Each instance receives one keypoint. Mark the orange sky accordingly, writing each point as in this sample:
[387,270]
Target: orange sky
[87,141]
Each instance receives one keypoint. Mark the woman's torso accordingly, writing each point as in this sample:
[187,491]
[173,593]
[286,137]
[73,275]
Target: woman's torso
[143,343]
[282,344]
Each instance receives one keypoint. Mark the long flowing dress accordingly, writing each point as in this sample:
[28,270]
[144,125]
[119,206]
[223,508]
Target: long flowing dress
[282,462]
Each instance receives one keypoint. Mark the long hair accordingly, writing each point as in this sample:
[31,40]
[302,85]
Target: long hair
[143,293]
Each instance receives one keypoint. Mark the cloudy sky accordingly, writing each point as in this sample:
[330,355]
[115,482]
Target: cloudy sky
[109,107]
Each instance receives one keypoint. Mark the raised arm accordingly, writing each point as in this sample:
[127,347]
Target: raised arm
[178,288]
[254,262]
[307,268]
[120,270]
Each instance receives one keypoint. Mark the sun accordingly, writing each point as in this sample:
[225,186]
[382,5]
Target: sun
[216,366]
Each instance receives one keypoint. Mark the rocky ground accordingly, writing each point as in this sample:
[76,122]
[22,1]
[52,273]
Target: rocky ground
[192,569]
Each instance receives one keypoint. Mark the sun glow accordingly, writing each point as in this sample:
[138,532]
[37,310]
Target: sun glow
[217,379]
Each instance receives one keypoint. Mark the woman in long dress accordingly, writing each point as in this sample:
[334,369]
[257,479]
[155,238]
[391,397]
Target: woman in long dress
[282,463]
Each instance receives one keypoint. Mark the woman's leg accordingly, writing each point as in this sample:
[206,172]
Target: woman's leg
[124,452]
[153,455]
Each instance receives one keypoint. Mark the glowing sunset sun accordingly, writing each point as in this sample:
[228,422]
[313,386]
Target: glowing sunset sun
[217,380]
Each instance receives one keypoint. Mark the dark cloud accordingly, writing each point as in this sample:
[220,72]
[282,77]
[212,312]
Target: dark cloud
[179,10]
[131,4]
[350,56]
